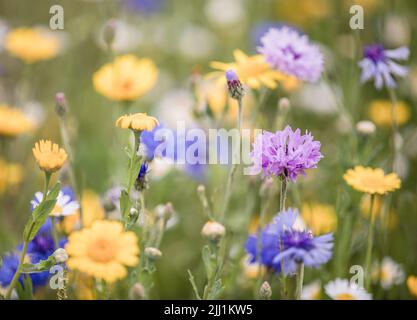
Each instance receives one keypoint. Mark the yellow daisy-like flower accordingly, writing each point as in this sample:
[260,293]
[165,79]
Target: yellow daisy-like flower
[10,175]
[372,181]
[137,122]
[125,79]
[412,285]
[103,251]
[380,112]
[49,156]
[253,71]
[91,208]
[14,122]
[32,44]
[320,218]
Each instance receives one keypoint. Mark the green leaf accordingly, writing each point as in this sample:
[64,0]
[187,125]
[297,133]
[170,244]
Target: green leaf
[41,266]
[207,262]
[38,218]
[216,290]
[25,290]
[125,204]
[54,192]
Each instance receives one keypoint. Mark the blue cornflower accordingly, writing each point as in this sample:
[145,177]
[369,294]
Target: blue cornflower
[379,64]
[141,180]
[283,241]
[146,7]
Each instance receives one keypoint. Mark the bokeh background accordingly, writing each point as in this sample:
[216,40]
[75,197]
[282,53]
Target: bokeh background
[182,37]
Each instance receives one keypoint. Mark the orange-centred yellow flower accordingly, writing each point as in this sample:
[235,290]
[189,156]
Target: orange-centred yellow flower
[253,71]
[412,285]
[380,112]
[49,156]
[125,79]
[372,181]
[14,122]
[32,44]
[137,122]
[10,175]
[320,218]
[103,251]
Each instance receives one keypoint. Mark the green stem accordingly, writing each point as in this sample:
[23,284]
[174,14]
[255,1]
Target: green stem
[282,199]
[232,171]
[368,258]
[300,279]
[17,273]
[394,125]
[54,233]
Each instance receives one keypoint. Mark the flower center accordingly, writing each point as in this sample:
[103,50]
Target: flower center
[375,53]
[102,250]
[290,51]
[298,239]
[345,296]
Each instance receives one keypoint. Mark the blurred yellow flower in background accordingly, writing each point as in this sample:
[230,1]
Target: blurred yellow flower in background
[10,175]
[253,71]
[320,218]
[125,79]
[103,250]
[32,44]
[380,112]
[377,210]
[49,156]
[14,122]
[412,285]
[303,12]
[137,122]
[214,95]
[92,210]
[372,181]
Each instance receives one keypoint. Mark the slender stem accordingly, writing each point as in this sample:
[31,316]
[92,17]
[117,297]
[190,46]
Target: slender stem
[394,124]
[54,233]
[17,273]
[300,279]
[368,258]
[282,199]
[232,171]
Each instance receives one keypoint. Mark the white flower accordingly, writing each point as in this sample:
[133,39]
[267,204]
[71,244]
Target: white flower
[388,273]
[341,289]
[365,127]
[196,43]
[225,13]
[64,206]
[60,255]
[311,291]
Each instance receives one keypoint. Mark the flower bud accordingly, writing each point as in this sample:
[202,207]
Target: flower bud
[284,104]
[365,127]
[236,90]
[110,32]
[153,253]
[213,230]
[61,106]
[137,292]
[265,291]
[60,255]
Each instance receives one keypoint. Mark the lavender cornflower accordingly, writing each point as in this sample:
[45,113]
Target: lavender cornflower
[236,90]
[285,153]
[288,51]
[378,63]
[285,240]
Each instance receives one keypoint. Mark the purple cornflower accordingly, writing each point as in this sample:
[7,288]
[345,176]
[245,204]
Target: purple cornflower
[236,90]
[288,51]
[285,153]
[378,63]
[283,241]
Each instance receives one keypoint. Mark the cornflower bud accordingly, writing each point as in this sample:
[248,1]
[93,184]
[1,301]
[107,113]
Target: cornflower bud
[137,292]
[153,253]
[236,90]
[61,106]
[60,255]
[265,291]
[213,231]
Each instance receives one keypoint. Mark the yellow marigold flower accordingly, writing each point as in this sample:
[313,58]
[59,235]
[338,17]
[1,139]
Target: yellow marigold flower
[103,250]
[137,122]
[10,175]
[320,218]
[380,112]
[125,79]
[49,156]
[91,208]
[253,71]
[32,44]
[412,285]
[372,181]
[14,122]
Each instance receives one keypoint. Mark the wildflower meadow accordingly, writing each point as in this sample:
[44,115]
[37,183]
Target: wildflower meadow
[208,150]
